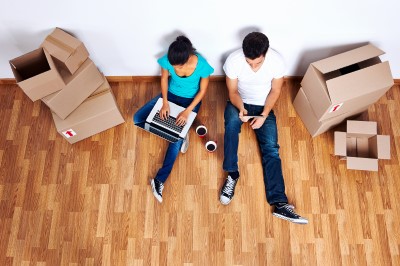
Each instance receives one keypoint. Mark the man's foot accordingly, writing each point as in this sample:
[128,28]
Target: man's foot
[157,188]
[228,190]
[185,144]
[286,211]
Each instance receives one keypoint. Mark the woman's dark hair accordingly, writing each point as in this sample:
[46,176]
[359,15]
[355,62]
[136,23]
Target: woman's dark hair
[255,44]
[180,50]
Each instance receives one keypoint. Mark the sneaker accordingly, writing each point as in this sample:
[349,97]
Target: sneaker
[228,190]
[286,212]
[185,144]
[157,188]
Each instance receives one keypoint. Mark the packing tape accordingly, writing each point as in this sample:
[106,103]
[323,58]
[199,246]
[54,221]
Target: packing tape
[60,44]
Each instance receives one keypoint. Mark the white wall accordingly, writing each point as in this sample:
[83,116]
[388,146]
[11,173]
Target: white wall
[124,37]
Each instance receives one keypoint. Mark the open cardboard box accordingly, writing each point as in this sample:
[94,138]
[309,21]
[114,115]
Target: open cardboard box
[67,49]
[361,146]
[347,81]
[36,74]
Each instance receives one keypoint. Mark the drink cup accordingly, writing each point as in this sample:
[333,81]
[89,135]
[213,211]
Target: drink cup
[201,131]
[211,146]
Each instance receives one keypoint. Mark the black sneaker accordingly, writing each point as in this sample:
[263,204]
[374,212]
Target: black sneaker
[286,211]
[228,190]
[157,188]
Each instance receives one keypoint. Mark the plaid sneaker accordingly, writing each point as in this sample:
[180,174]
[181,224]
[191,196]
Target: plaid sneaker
[228,190]
[185,144]
[286,211]
[157,188]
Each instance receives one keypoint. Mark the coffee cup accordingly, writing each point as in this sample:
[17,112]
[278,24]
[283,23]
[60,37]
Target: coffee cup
[211,146]
[201,131]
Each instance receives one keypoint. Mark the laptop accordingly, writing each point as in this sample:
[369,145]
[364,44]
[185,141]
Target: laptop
[167,129]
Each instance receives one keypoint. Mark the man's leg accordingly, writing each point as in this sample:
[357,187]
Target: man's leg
[267,137]
[231,142]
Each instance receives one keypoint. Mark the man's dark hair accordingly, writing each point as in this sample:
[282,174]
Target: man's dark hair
[180,50]
[255,44]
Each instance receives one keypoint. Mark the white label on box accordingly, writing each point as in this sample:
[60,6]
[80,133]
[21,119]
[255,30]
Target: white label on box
[335,107]
[69,133]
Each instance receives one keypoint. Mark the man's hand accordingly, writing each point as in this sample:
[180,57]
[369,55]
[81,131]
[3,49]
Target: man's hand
[242,113]
[164,112]
[182,117]
[257,122]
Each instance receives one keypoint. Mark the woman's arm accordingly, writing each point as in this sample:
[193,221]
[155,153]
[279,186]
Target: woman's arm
[164,112]
[182,117]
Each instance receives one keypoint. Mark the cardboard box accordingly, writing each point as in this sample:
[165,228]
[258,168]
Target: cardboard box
[67,49]
[36,74]
[347,81]
[79,87]
[361,146]
[311,122]
[98,113]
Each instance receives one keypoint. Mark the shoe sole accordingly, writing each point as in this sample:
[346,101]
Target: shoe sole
[289,219]
[153,188]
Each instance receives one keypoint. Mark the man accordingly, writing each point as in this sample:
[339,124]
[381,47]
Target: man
[254,77]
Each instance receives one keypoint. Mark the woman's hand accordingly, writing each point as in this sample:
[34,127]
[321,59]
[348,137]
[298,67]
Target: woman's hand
[164,112]
[182,117]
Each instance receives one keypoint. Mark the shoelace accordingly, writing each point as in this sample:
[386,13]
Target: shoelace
[230,184]
[290,208]
[160,186]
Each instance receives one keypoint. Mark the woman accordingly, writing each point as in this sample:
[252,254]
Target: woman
[184,81]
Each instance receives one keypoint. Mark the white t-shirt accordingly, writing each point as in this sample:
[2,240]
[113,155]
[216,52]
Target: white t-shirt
[254,87]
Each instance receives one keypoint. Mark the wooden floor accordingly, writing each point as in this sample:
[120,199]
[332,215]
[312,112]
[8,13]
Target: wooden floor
[91,204]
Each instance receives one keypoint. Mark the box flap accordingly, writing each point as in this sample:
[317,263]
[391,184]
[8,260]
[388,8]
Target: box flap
[383,144]
[366,164]
[340,143]
[359,83]
[361,128]
[347,58]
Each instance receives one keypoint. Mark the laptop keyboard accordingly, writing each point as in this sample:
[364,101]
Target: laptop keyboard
[169,122]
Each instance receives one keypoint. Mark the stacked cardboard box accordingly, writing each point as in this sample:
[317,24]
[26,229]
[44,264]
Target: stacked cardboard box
[361,146]
[62,75]
[340,87]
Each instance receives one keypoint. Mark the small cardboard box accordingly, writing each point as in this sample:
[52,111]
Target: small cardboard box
[361,146]
[79,87]
[311,122]
[67,49]
[344,82]
[36,74]
[98,113]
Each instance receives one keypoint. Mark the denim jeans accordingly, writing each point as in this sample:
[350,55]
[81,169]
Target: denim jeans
[173,149]
[267,137]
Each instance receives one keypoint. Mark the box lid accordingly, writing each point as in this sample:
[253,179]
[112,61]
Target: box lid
[347,58]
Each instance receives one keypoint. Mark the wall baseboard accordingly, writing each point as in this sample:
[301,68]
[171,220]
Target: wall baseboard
[157,78]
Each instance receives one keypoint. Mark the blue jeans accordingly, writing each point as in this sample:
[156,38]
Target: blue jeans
[267,137]
[173,149]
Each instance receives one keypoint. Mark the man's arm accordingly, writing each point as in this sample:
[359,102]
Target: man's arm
[235,98]
[276,88]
